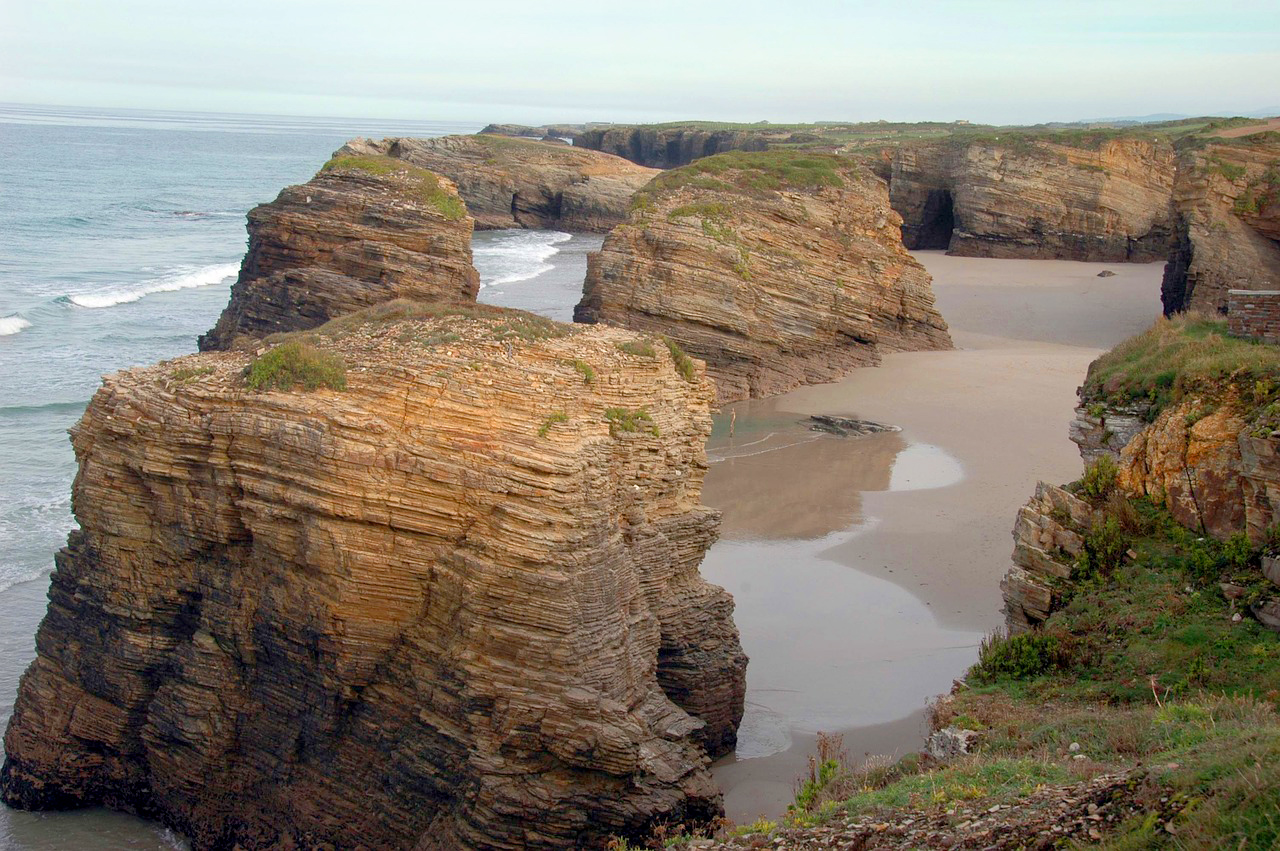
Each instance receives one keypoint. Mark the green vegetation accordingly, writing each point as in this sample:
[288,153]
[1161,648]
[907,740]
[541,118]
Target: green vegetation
[1175,357]
[555,417]
[1099,478]
[296,364]
[183,374]
[1231,171]
[502,324]
[702,209]
[425,183]
[639,348]
[684,363]
[584,369]
[757,171]
[623,421]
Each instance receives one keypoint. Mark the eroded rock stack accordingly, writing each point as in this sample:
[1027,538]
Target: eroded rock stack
[366,229]
[1227,227]
[1046,541]
[523,183]
[455,605]
[777,269]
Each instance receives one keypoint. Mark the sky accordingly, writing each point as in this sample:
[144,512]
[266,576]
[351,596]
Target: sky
[990,61]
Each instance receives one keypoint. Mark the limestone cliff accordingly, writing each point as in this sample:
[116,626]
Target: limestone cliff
[513,182]
[365,230]
[1046,540]
[776,269]
[669,147]
[455,604]
[1227,199]
[1036,198]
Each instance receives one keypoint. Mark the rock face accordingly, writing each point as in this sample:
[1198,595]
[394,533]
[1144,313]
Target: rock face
[659,147]
[365,230]
[521,183]
[1037,199]
[776,269]
[456,605]
[1045,543]
[1227,226]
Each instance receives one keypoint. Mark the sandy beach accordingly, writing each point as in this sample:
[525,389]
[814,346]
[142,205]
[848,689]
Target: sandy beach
[866,570]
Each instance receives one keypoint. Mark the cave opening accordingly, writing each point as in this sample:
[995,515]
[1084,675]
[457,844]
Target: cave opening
[937,221]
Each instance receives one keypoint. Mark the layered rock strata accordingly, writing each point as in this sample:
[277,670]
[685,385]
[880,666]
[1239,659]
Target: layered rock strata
[366,229]
[1037,199]
[1227,225]
[455,605]
[776,270]
[669,147]
[1046,541]
[512,182]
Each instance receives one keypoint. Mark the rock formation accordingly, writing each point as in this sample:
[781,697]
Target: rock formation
[453,605]
[776,269]
[1046,540]
[1037,199]
[1227,226]
[669,147]
[366,229]
[513,182]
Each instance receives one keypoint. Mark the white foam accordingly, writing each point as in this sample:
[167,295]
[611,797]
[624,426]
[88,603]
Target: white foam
[516,255]
[12,325]
[181,280]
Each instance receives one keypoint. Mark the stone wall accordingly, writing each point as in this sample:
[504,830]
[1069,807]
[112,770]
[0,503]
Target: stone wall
[1254,314]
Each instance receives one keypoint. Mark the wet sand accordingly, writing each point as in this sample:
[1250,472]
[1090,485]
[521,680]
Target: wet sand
[865,571]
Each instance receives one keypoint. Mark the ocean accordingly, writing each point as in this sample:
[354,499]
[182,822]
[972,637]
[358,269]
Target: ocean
[123,232]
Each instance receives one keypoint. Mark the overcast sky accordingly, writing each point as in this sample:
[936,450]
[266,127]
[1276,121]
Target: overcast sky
[999,61]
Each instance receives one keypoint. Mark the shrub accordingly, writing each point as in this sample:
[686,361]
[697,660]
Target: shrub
[623,421]
[556,417]
[1016,657]
[684,363]
[295,364]
[584,369]
[639,348]
[1104,548]
[1099,478]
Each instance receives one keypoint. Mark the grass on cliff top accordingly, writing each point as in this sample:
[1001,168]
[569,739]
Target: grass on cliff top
[760,171]
[1175,356]
[425,183]
[504,323]
[295,364]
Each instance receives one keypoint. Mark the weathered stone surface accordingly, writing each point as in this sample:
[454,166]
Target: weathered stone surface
[1037,199]
[772,287]
[361,232]
[1227,199]
[456,605]
[951,742]
[1104,429]
[1045,544]
[521,183]
[1192,464]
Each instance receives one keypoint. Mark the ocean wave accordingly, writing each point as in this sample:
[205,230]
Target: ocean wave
[12,325]
[516,256]
[46,408]
[182,280]
[7,582]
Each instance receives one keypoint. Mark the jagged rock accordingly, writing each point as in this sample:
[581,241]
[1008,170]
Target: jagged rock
[364,230]
[1192,463]
[512,182]
[845,427]
[456,605]
[1271,568]
[1227,227]
[1268,614]
[951,742]
[773,281]
[1046,541]
[669,147]
[1036,199]
[1105,429]
[1106,273]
